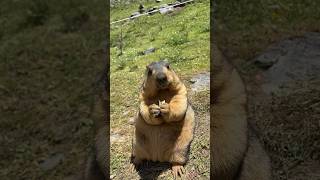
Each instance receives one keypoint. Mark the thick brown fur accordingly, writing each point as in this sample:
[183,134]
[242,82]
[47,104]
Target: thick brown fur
[163,131]
[235,152]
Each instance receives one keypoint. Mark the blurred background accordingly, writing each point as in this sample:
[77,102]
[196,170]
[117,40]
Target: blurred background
[275,45]
[51,60]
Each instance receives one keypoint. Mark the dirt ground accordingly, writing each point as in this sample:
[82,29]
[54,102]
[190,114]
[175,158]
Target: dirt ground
[284,105]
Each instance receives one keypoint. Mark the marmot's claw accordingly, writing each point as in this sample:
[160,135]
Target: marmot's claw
[155,113]
[164,108]
[154,110]
[162,102]
[178,170]
[132,168]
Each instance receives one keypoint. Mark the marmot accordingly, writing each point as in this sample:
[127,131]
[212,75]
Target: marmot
[165,123]
[235,152]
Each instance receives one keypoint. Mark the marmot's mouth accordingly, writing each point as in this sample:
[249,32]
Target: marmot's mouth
[163,85]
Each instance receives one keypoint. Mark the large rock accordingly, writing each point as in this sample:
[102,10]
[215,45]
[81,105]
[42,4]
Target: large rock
[165,9]
[284,106]
[135,15]
[200,82]
[147,51]
[289,62]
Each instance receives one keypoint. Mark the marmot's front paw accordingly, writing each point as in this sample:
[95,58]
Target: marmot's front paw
[164,108]
[154,110]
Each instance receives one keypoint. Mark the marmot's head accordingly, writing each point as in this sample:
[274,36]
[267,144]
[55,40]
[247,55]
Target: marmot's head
[159,75]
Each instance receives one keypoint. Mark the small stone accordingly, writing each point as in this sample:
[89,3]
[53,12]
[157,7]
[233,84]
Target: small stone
[193,80]
[125,113]
[51,162]
[200,82]
[152,11]
[134,15]
[149,51]
[116,138]
[166,9]
[264,62]
[131,121]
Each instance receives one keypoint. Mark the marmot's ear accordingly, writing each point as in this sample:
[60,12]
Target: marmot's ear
[166,63]
[148,70]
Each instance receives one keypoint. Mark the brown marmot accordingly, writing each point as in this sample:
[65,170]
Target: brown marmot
[165,123]
[235,151]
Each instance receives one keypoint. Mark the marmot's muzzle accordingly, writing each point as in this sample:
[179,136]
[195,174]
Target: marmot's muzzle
[162,80]
[161,77]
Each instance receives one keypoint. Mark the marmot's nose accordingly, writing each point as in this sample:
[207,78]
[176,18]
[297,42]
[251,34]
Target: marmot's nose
[161,77]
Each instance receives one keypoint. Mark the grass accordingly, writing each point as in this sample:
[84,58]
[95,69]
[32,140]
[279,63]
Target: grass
[182,38]
[51,55]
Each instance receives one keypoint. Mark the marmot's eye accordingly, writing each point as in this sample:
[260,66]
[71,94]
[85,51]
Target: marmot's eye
[167,65]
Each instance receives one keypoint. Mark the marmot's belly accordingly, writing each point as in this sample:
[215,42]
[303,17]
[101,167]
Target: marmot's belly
[159,141]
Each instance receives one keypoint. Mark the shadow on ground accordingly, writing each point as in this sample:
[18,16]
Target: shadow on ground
[151,170]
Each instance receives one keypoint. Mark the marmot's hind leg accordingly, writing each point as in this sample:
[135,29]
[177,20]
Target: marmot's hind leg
[256,164]
[178,170]
[182,147]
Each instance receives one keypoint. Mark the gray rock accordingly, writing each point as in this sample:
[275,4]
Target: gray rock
[290,62]
[166,10]
[135,15]
[181,1]
[125,113]
[284,104]
[152,11]
[114,137]
[200,82]
[266,60]
[131,121]
[149,51]
[51,162]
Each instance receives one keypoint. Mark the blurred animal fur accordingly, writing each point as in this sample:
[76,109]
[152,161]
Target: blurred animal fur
[98,162]
[235,151]
[165,124]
